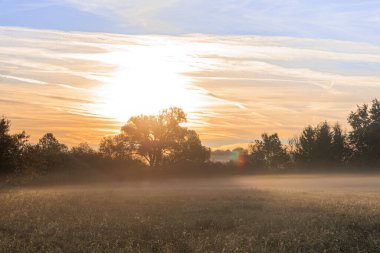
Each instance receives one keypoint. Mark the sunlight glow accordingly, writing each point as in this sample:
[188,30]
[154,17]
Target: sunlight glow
[147,80]
[232,87]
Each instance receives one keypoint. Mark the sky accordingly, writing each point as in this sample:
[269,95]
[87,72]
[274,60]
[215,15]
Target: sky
[80,69]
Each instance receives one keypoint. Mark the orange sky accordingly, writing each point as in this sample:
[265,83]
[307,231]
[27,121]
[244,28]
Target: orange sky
[82,86]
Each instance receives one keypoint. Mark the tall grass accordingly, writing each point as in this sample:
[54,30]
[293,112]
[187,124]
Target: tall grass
[163,218]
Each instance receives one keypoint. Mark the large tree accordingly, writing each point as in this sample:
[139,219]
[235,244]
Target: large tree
[48,154]
[12,148]
[116,146]
[156,139]
[365,135]
[188,148]
[154,136]
[321,146]
[268,153]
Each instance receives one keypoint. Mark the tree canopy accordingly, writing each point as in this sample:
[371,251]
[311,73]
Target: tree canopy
[365,135]
[322,146]
[156,139]
[162,141]
[268,152]
[12,147]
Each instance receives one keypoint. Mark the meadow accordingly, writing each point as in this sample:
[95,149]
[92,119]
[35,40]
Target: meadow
[310,213]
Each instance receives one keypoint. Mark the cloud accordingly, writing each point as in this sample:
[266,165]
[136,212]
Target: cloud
[85,85]
[22,79]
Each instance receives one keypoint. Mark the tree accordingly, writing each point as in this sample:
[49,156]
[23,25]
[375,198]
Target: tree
[365,135]
[83,148]
[189,148]
[116,146]
[49,144]
[153,137]
[322,145]
[12,148]
[268,153]
[49,153]
[339,148]
[156,139]
[306,145]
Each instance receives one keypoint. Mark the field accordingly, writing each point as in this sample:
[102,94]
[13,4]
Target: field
[244,214]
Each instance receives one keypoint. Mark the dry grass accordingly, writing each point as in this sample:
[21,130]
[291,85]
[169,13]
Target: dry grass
[188,218]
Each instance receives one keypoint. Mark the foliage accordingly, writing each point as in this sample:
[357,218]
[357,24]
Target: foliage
[157,140]
[116,147]
[161,141]
[12,148]
[321,146]
[365,136]
[268,153]
[155,136]
[189,148]
[83,149]
[48,154]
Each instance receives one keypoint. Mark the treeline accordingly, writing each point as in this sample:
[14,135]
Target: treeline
[160,142]
[323,147]
[144,142]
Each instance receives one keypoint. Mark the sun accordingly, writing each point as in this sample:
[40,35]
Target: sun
[147,80]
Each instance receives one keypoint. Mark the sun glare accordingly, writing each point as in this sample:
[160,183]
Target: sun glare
[147,80]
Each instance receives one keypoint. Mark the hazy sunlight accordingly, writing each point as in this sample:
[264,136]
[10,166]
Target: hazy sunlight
[189,126]
[147,79]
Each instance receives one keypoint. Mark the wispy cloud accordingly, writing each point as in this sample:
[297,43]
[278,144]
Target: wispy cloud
[233,87]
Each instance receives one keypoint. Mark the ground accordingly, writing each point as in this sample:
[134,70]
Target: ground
[244,214]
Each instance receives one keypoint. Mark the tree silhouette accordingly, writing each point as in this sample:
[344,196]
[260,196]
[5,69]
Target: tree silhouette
[321,146]
[268,152]
[49,144]
[12,148]
[365,136]
[188,148]
[116,146]
[49,153]
[161,140]
[339,149]
[83,149]
[156,139]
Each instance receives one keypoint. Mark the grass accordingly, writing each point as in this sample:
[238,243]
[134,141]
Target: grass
[166,218]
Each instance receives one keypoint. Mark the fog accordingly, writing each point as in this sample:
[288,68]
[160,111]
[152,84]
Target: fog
[337,183]
[320,182]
